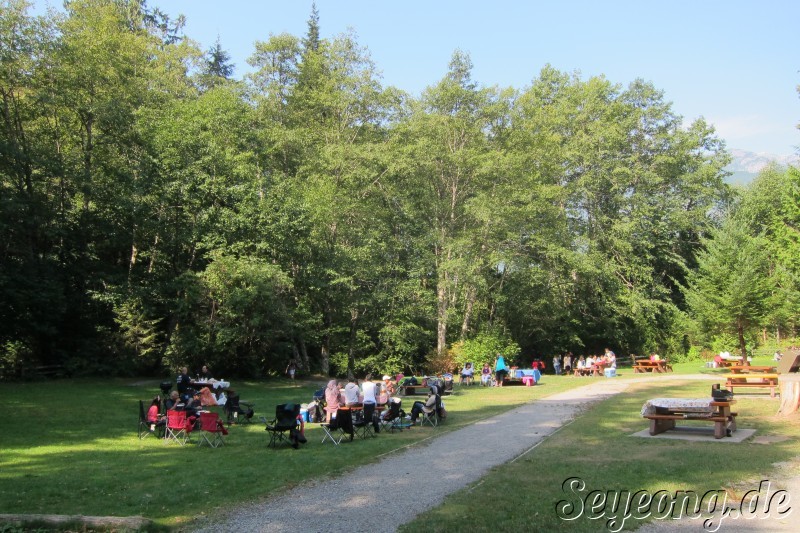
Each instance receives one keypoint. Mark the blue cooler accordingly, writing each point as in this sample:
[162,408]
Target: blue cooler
[304,415]
[610,372]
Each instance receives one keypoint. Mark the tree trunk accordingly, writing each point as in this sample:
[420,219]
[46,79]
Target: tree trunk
[306,364]
[351,350]
[441,318]
[790,393]
[742,343]
[471,295]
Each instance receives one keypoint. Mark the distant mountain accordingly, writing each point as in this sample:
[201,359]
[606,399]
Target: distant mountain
[752,162]
[746,165]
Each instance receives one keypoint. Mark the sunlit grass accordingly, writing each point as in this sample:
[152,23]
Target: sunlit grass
[70,447]
[598,448]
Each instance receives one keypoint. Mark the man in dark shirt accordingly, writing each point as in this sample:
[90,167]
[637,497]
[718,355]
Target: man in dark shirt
[183,382]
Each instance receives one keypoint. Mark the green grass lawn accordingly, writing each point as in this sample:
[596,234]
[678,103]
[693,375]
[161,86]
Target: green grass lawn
[598,448]
[70,447]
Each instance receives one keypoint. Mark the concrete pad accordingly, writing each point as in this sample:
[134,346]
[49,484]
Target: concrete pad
[696,434]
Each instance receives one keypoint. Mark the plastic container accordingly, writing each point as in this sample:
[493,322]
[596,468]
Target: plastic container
[610,372]
[304,415]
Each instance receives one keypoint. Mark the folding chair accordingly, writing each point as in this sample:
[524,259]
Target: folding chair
[233,410]
[391,415]
[365,426]
[210,424]
[176,427]
[341,425]
[431,418]
[144,425]
[286,421]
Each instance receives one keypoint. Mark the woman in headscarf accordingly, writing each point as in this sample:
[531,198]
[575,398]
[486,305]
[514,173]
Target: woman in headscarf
[331,399]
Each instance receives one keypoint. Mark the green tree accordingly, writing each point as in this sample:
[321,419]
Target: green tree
[729,290]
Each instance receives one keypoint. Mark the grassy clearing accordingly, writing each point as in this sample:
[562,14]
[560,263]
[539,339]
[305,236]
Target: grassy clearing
[70,447]
[599,449]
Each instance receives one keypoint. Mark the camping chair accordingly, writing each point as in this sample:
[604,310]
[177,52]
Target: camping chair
[448,383]
[392,418]
[210,424]
[364,427]
[432,418]
[234,408]
[144,425]
[286,421]
[341,424]
[176,427]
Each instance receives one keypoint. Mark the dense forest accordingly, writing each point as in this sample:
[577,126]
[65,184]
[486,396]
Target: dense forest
[154,211]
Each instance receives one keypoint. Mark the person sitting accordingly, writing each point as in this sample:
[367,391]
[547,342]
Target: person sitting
[352,394]
[368,391]
[174,402]
[580,366]
[154,417]
[486,375]
[428,407]
[205,374]
[388,385]
[466,374]
[193,406]
[207,397]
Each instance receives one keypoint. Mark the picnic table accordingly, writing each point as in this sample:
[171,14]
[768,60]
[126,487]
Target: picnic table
[646,365]
[753,376]
[663,412]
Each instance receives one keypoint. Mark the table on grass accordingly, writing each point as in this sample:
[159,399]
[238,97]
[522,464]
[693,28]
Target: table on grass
[646,365]
[663,412]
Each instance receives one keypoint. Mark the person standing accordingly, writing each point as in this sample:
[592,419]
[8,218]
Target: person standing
[557,365]
[291,369]
[332,394]
[183,381]
[500,369]
[567,362]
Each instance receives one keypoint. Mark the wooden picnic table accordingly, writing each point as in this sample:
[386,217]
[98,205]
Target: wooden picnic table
[646,365]
[750,369]
[663,412]
[745,377]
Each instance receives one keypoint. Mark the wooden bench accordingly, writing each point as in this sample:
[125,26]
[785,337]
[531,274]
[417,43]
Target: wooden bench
[723,425]
[405,388]
[759,380]
[724,420]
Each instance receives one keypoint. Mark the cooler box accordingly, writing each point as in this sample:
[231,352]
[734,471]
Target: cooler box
[610,372]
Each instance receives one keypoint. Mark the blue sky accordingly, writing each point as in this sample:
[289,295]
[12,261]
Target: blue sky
[736,63]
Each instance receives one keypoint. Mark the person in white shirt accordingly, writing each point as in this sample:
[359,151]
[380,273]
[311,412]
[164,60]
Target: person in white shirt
[368,390]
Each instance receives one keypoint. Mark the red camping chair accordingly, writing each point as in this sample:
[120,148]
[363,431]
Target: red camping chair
[176,427]
[210,424]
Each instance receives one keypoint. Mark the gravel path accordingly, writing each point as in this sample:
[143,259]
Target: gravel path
[363,488]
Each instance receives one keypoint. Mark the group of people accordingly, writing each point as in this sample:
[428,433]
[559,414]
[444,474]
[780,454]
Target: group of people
[376,393]
[593,365]
[187,397]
